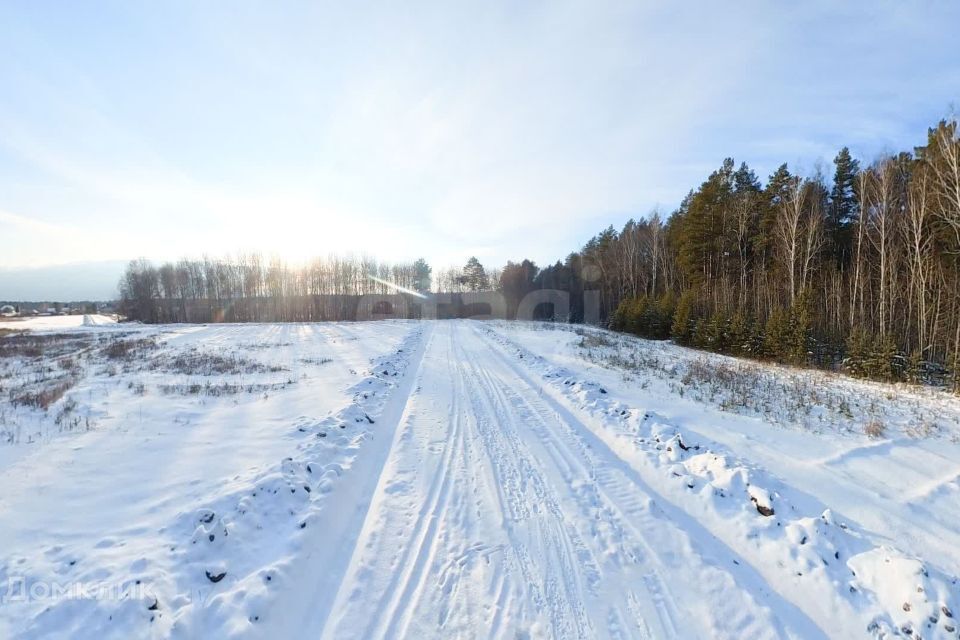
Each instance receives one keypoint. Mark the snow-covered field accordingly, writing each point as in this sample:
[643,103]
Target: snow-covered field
[49,323]
[461,479]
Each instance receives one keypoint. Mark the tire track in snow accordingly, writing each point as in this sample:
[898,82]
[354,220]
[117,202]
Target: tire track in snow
[306,610]
[407,586]
[789,620]
[552,539]
[497,517]
[652,607]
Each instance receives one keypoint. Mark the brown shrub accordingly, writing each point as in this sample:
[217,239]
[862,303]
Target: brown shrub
[127,349]
[874,429]
[44,397]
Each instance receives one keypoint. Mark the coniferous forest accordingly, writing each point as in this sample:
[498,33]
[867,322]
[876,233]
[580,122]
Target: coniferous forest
[860,268]
[856,267]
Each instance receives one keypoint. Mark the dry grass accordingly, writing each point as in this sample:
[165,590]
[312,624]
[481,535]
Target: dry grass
[45,396]
[789,397]
[127,350]
[203,363]
[37,345]
[590,340]
[39,371]
[874,429]
[210,389]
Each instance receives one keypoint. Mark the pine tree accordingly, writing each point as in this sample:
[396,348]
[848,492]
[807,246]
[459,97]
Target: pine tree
[776,339]
[421,276]
[756,340]
[745,180]
[843,209]
[474,276]
[618,321]
[705,234]
[682,328]
[882,363]
[700,334]
[800,330]
[776,191]
[859,346]
[638,322]
[716,333]
[914,367]
[739,334]
[666,307]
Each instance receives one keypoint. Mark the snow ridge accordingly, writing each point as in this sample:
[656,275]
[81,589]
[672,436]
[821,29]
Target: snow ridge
[291,495]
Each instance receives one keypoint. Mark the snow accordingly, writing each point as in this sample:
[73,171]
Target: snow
[457,478]
[53,323]
[129,499]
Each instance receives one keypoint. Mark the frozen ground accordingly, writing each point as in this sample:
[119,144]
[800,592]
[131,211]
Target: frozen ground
[462,479]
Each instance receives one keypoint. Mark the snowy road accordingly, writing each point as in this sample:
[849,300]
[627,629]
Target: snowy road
[499,514]
[462,479]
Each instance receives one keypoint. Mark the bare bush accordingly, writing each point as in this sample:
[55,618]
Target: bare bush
[220,389]
[45,396]
[589,340]
[126,350]
[874,429]
[262,346]
[202,363]
[922,428]
[37,345]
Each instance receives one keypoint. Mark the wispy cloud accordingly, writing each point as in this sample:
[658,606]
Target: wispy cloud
[14,221]
[502,129]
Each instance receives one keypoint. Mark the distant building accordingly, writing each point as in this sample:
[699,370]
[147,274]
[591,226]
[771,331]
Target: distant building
[7,311]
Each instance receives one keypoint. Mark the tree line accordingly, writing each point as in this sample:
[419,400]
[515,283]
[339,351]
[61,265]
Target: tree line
[251,288]
[859,269]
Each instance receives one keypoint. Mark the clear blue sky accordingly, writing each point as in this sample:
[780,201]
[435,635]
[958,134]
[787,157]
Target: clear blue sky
[448,129]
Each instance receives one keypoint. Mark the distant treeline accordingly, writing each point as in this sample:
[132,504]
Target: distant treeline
[250,288]
[861,270]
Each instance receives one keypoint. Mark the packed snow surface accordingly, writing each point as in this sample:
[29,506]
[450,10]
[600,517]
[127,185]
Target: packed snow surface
[462,479]
[49,323]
